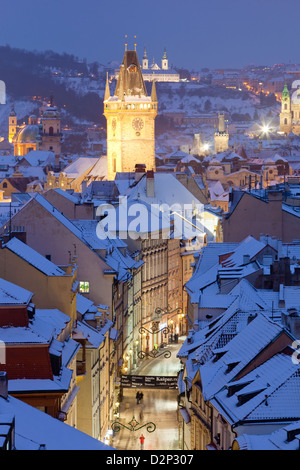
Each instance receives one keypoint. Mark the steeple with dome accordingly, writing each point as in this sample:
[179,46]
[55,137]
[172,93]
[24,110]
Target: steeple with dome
[43,135]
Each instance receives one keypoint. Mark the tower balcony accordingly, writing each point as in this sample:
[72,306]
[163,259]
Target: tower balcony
[132,107]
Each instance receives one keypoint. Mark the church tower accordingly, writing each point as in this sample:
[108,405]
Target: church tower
[130,115]
[145,60]
[51,136]
[285,117]
[12,124]
[164,61]
[221,136]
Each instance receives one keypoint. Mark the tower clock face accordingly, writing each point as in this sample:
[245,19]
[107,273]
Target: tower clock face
[137,124]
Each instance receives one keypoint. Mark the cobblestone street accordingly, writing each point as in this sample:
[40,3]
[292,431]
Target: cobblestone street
[159,406]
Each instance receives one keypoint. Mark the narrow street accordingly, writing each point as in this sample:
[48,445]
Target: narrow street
[159,406]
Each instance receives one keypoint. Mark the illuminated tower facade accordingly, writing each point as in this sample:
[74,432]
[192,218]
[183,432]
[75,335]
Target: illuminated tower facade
[130,115]
[51,136]
[285,117]
[12,124]
[221,136]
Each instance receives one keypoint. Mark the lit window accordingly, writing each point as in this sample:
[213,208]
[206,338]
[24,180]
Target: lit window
[84,287]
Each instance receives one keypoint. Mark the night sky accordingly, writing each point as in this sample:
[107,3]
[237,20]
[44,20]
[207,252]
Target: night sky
[196,33]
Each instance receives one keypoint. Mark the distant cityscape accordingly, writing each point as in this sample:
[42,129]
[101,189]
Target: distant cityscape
[149,255]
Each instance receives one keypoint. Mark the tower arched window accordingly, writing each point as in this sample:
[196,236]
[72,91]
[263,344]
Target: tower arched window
[50,130]
[285,105]
[114,165]
[285,121]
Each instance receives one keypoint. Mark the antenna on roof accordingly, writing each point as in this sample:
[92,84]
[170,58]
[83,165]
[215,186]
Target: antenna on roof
[125,42]
[135,44]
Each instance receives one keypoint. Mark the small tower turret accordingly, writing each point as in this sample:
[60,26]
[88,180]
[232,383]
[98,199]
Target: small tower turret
[12,124]
[164,61]
[145,60]
[285,117]
[221,135]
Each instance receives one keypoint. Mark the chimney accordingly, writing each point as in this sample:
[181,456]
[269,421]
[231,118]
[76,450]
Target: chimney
[140,170]
[281,300]
[251,317]
[150,184]
[83,186]
[3,385]
[246,259]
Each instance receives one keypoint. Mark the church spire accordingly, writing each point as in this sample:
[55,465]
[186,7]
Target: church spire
[153,91]
[12,112]
[130,80]
[107,91]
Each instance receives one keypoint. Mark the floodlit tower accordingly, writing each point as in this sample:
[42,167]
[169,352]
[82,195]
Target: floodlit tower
[221,135]
[130,115]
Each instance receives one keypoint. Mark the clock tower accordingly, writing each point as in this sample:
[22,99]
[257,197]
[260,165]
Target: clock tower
[130,115]
[285,116]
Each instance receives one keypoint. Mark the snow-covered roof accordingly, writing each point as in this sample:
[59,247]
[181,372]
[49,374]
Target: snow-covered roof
[33,257]
[277,440]
[12,294]
[65,194]
[167,190]
[270,393]
[84,331]
[83,304]
[240,351]
[80,166]
[34,428]
[39,157]
[100,168]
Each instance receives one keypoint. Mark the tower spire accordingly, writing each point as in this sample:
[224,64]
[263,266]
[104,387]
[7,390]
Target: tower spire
[107,90]
[153,91]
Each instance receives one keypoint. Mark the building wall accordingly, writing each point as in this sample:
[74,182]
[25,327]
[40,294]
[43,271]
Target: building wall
[262,218]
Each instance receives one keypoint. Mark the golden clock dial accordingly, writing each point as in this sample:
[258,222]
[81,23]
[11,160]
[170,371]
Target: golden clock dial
[138,124]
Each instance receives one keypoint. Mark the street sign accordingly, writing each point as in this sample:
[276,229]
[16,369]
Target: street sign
[149,381]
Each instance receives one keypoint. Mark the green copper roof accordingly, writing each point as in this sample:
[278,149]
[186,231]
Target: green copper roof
[285,92]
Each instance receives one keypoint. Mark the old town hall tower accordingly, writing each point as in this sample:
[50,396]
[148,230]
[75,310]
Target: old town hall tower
[130,115]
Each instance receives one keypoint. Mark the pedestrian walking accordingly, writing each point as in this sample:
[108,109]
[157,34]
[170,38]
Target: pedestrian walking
[142,440]
[141,396]
[138,395]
